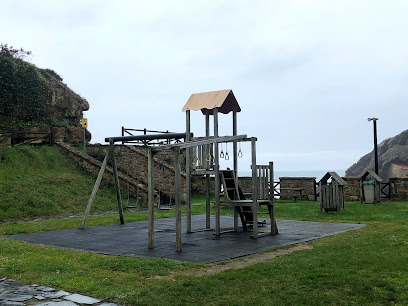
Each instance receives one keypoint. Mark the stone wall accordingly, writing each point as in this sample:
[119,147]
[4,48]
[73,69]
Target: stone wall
[352,189]
[132,160]
[245,182]
[399,189]
[93,165]
[308,183]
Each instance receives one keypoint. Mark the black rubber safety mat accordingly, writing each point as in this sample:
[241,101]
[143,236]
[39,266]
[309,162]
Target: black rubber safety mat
[130,239]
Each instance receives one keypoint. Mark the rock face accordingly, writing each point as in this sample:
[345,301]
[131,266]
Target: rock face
[393,150]
[34,100]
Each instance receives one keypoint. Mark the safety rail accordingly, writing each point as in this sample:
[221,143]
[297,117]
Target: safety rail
[147,142]
[24,137]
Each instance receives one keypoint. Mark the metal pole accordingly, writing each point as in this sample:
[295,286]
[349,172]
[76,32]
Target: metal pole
[375,147]
[375,143]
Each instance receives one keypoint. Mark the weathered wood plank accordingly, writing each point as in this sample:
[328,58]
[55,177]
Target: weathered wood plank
[217,174]
[210,140]
[150,202]
[95,189]
[116,177]
[254,188]
[188,173]
[177,191]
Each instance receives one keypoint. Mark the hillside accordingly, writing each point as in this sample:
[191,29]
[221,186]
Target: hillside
[37,100]
[41,181]
[391,150]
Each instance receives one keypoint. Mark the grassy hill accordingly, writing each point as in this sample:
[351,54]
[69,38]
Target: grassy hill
[41,181]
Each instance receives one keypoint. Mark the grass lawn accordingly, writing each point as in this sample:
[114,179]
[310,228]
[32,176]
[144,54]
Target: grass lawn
[363,267]
[41,181]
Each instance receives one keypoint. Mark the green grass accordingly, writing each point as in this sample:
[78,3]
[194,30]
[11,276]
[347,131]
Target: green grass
[363,267]
[43,182]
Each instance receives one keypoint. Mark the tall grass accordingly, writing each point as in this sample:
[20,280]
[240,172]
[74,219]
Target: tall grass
[41,181]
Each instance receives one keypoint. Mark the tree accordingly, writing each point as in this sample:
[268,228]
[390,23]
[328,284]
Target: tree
[7,51]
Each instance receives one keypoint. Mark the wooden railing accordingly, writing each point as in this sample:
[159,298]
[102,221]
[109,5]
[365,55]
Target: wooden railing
[130,132]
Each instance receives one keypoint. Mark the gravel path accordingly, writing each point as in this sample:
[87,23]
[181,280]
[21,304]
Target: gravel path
[14,293]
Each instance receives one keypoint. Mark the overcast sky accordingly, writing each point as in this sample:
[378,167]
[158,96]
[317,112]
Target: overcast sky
[307,74]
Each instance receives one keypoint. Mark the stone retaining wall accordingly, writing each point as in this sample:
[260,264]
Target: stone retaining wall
[308,183]
[399,188]
[132,160]
[245,182]
[352,189]
[93,165]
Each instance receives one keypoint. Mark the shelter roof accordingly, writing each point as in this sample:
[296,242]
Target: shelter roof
[402,167]
[224,100]
[334,176]
[373,175]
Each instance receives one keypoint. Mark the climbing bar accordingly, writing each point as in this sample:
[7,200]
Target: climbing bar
[147,137]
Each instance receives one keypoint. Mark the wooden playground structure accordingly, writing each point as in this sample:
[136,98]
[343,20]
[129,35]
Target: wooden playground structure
[203,158]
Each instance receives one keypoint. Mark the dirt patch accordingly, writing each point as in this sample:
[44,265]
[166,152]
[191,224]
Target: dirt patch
[238,263]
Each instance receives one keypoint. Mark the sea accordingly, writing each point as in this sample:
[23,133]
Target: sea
[318,174]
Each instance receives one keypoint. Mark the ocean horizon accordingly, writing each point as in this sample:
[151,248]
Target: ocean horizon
[318,174]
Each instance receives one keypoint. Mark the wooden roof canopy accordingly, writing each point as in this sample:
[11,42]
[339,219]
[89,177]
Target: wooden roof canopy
[224,100]
[373,175]
[334,176]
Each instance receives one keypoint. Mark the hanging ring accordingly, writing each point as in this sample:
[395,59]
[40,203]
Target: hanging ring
[197,162]
[226,156]
[209,157]
[240,154]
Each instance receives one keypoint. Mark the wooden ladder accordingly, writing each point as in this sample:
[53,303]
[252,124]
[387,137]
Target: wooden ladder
[232,191]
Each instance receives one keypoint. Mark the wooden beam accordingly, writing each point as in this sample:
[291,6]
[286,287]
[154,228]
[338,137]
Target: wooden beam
[235,163]
[234,133]
[188,173]
[210,140]
[217,175]
[274,228]
[150,202]
[254,189]
[177,191]
[95,189]
[207,178]
[116,177]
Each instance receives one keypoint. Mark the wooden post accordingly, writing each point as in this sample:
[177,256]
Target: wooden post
[123,133]
[95,189]
[150,203]
[254,189]
[188,173]
[235,133]
[217,175]
[274,228]
[235,161]
[177,191]
[207,177]
[115,175]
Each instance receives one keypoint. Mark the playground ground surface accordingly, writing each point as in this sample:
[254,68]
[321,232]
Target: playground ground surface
[130,239]
[365,266]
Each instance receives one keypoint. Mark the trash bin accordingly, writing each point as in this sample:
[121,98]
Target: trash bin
[368,188]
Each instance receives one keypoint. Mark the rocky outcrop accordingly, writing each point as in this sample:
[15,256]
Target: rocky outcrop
[392,150]
[34,100]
